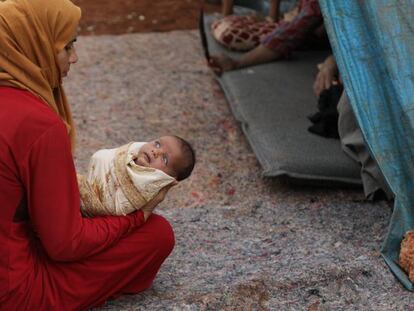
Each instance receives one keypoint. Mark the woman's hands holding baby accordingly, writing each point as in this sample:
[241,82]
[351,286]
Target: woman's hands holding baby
[150,206]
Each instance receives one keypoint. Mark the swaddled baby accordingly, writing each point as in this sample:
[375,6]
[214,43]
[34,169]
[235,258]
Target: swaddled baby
[123,180]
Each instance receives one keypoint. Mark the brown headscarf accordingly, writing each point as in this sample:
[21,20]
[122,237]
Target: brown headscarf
[32,33]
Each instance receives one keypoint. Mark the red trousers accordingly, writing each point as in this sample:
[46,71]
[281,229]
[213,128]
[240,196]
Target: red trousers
[129,266]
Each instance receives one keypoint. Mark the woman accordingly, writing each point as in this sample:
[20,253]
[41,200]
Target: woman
[51,258]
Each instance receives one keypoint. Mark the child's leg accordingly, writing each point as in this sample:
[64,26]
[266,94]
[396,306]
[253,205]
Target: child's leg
[274,10]
[227,8]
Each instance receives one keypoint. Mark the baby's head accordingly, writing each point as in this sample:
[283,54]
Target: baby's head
[170,154]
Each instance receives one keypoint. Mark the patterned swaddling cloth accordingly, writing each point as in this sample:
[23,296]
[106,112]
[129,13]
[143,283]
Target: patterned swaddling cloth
[116,185]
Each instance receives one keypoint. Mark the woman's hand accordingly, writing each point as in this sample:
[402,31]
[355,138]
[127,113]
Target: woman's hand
[221,63]
[327,76]
[150,206]
[259,55]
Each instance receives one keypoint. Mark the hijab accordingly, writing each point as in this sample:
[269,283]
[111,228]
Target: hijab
[32,33]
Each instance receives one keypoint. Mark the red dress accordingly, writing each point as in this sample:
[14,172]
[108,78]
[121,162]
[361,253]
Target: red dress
[50,257]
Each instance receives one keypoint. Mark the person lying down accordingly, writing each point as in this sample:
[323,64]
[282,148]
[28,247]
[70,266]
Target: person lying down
[122,180]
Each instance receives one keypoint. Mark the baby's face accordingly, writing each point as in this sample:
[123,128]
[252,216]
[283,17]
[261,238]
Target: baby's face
[163,153]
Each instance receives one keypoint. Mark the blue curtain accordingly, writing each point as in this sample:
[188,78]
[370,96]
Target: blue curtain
[373,43]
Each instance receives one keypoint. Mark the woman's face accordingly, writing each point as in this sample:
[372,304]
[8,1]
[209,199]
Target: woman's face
[67,57]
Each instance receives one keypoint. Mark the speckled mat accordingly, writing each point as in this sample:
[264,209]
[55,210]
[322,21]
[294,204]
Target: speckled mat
[242,242]
[272,102]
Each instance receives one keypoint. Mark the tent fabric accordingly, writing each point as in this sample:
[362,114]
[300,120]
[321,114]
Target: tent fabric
[373,43]
[272,102]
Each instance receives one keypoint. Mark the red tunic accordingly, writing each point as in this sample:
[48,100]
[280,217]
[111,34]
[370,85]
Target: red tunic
[57,260]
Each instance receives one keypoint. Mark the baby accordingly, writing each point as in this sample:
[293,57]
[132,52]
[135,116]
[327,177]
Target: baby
[123,180]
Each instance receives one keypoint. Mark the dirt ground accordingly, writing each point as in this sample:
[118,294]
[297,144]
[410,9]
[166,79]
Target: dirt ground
[130,16]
